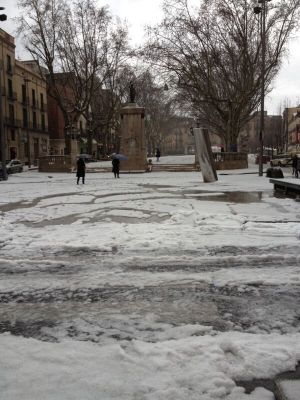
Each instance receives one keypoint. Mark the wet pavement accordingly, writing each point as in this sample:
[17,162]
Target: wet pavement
[49,313]
[89,294]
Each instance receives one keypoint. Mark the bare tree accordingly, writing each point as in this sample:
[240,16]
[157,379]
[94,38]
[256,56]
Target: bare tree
[158,103]
[74,41]
[160,107]
[213,56]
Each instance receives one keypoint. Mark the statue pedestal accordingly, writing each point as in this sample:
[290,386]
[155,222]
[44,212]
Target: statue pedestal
[133,142]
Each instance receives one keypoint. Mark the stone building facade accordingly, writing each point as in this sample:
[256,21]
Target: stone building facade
[24,107]
[291,128]
[273,138]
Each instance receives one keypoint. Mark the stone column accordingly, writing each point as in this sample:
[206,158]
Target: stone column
[133,141]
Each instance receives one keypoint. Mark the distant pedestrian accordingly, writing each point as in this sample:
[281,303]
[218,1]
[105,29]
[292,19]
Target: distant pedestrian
[298,167]
[294,165]
[80,170]
[157,154]
[116,167]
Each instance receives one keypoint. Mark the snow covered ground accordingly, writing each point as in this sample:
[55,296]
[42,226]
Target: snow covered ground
[151,286]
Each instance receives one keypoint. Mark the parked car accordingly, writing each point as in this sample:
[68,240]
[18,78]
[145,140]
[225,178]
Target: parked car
[14,166]
[281,160]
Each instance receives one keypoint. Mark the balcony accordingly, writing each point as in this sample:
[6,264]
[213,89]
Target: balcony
[12,96]
[12,122]
[10,70]
[25,101]
[34,127]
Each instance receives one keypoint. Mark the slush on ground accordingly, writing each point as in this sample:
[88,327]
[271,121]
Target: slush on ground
[152,286]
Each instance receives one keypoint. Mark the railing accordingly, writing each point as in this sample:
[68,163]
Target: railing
[10,70]
[55,164]
[12,96]
[25,101]
[230,160]
[9,121]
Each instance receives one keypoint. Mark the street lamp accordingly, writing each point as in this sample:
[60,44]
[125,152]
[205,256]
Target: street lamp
[90,131]
[262,9]
[26,80]
[3,17]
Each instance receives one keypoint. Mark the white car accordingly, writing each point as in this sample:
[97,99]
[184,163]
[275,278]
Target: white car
[281,160]
[14,166]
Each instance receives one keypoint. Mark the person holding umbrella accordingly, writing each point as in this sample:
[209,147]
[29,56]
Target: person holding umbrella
[157,154]
[115,166]
[116,158]
[80,170]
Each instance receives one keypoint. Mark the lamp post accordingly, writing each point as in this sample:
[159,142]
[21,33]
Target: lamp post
[261,9]
[3,17]
[26,80]
[2,137]
[89,131]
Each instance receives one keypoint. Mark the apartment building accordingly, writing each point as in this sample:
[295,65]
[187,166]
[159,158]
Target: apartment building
[291,128]
[24,108]
[273,137]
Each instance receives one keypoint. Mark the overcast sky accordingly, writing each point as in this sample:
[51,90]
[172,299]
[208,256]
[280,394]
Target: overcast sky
[141,12]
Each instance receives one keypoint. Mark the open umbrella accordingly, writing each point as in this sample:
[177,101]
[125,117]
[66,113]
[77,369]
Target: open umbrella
[119,156]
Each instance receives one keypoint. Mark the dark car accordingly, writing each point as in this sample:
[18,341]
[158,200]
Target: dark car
[265,159]
[14,166]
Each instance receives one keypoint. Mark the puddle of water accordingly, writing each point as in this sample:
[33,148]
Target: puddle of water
[232,197]
[153,186]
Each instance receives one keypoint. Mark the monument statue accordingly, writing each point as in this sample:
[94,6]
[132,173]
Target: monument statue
[132,92]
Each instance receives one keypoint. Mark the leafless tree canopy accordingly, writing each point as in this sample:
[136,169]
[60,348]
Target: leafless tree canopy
[79,43]
[160,107]
[213,55]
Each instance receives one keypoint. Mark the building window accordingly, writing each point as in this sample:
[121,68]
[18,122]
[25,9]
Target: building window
[23,94]
[42,102]
[8,62]
[44,145]
[13,135]
[11,114]
[33,98]
[43,122]
[10,88]
[34,120]
[25,118]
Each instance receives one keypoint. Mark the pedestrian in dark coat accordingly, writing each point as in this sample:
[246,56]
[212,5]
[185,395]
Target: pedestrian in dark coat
[80,170]
[116,167]
[298,167]
[294,165]
[157,154]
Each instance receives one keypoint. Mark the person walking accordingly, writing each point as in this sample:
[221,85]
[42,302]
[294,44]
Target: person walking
[157,154]
[80,170]
[294,165]
[116,167]
[298,167]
